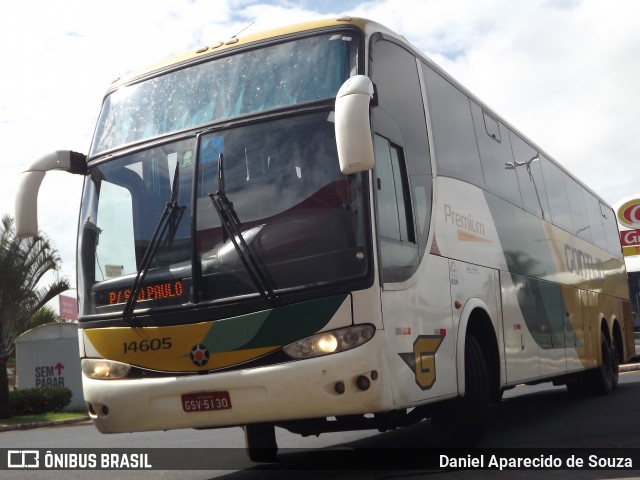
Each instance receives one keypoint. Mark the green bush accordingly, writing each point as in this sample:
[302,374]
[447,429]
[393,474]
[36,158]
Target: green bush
[31,401]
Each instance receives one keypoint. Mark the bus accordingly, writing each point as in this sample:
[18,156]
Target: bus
[317,228]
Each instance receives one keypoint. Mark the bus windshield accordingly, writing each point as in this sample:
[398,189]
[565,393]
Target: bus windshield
[290,73]
[302,221]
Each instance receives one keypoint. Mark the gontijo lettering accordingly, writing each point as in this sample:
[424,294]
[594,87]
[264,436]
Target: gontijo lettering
[583,264]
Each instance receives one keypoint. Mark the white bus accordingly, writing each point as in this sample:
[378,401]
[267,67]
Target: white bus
[317,228]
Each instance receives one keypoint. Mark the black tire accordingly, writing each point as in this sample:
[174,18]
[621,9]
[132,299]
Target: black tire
[260,442]
[615,362]
[462,422]
[602,380]
[605,377]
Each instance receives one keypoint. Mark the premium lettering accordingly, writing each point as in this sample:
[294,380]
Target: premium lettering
[465,222]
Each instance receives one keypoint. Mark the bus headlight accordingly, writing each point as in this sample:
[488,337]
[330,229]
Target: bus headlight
[100,369]
[334,341]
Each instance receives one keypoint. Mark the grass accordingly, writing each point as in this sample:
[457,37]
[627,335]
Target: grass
[43,417]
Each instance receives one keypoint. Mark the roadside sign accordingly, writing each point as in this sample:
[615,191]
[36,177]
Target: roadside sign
[68,308]
[631,251]
[629,213]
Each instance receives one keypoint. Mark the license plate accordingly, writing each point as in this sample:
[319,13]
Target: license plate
[206,401]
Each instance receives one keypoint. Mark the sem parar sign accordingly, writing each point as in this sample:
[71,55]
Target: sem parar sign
[48,356]
[50,376]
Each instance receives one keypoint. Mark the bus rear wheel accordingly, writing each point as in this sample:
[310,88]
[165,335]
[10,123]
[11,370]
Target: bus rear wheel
[615,362]
[260,442]
[605,378]
[601,380]
[462,422]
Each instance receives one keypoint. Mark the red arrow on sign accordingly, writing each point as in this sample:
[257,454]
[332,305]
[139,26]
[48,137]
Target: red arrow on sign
[59,368]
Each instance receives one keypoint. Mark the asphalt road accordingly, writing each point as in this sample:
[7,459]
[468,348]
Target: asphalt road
[529,417]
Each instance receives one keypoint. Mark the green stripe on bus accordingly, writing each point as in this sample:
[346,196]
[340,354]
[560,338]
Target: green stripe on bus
[277,327]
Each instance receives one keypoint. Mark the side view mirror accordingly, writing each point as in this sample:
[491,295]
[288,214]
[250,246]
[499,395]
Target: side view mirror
[26,215]
[353,130]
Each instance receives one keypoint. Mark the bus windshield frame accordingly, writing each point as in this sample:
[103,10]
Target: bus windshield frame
[305,224]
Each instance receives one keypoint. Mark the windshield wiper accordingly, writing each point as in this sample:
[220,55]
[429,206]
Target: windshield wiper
[232,227]
[161,228]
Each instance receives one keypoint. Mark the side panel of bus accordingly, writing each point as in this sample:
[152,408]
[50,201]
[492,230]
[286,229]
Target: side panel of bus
[509,235]
[561,282]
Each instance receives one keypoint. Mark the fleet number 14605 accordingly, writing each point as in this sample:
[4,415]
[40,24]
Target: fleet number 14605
[146,345]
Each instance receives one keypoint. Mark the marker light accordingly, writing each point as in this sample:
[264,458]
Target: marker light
[334,341]
[100,369]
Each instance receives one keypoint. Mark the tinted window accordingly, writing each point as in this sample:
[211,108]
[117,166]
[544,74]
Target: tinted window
[127,225]
[495,156]
[392,214]
[554,179]
[395,73]
[596,220]
[611,230]
[576,192]
[301,218]
[526,163]
[399,117]
[398,250]
[454,139]
[421,188]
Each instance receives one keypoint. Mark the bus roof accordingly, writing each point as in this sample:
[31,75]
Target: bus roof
[235,42]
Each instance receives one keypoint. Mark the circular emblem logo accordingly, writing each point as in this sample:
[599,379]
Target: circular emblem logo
[629,214]
[199,355]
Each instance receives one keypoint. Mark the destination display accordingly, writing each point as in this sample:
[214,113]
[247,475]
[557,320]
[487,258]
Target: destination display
[164,290]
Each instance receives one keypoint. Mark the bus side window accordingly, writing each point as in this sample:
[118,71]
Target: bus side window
[595,220]
[610,225]
[526,163]
[399,116]
[456,148]
[554,180]
[578,209]
[495,155]
[398,248]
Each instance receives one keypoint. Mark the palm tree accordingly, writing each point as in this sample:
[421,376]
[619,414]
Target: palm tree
[43,316]
[23,263]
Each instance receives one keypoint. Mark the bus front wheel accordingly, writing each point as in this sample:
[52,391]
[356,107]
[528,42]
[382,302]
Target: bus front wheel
[260,442]
[462,422]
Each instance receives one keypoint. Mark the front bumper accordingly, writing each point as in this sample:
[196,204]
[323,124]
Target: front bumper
[288,391]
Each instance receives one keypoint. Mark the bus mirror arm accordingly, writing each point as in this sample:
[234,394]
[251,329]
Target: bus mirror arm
[353,128]
[26,201]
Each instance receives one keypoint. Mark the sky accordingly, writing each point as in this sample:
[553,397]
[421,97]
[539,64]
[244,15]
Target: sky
[564,72]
